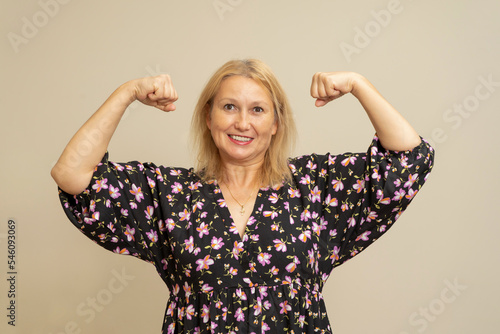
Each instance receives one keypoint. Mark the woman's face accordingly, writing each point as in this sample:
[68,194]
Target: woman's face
[242,121]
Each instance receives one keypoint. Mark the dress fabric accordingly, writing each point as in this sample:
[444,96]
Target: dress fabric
[271,280]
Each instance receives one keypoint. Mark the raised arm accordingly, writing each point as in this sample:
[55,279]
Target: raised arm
[73,171]
[393,131]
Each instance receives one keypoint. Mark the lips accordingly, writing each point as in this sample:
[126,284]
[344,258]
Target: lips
[240,139]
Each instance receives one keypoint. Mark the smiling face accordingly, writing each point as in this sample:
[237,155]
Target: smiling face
[242,121]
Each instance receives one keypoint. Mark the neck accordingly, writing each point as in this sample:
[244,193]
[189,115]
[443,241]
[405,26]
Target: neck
[242,176]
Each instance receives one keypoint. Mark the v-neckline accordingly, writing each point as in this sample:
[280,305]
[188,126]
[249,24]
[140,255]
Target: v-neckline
[226,216]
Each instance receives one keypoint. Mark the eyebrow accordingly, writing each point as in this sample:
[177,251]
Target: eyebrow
[258,102]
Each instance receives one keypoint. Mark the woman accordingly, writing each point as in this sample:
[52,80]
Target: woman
[246,240]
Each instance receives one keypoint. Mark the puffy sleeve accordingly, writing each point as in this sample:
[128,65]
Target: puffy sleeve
[120,210]
[359,196]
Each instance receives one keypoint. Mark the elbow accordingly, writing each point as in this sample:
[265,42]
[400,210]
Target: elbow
[68,181]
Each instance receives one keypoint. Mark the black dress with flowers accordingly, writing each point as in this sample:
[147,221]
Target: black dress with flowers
[270,280]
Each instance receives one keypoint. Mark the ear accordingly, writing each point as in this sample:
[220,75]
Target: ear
[208,119]
[275,125]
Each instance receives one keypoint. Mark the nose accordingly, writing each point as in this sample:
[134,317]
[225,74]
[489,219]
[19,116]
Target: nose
[243,120]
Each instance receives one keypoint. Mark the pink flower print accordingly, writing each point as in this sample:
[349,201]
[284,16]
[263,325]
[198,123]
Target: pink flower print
[189,244]
[331,201]
[171,308]
[273,198]
[114,192]
[194,185]
[190,310]
[265,327]
[285,308]
[197,206]
[305,235]
[175,172]
[241,294]
[322,173]
[149,212]
[305,215]
[187,290]
[335,254]
[111,227]
[238,247]
[364,236]
[294,192]
[217,243]
[311,165]
[170,224]
[159,177]
[205,314]
[257,307]
[398,194]
[176,188]
[337,185]
[184,215]
[123,251]
[152,235]
[386,200]
[136,191]
[129,232]
[165,264]
[280,245]
[118,167]
[151,182]
[240,316]
[233,271]
[133,205]
[264,258]
[397,183]
[302,321]
[359,186]
[292,265]
[202,230]
[411,180]
[222,203]
[305,180]
[411,194]
[315,195]
[100,184]
[272,214]
[351,221]
[376,175]
[349,160]
[204,263]
[371,216]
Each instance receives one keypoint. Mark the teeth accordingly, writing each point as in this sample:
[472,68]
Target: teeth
[240,138]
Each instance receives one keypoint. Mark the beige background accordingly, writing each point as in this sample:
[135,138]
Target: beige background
[60,60]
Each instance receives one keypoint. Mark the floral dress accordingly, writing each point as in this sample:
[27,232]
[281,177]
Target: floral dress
[271,279]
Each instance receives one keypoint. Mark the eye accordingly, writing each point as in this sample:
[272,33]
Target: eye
[258,109]
[229,106]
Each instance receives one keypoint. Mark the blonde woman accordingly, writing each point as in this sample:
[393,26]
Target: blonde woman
[245,240]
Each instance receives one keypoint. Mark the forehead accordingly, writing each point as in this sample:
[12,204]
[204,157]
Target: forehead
[242,88]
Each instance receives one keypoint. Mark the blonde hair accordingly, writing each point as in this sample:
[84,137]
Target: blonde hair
[275,167]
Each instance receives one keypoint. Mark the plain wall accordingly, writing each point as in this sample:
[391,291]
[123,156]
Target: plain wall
[437,62]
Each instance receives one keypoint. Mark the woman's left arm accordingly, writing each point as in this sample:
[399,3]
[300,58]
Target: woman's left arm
[393,131]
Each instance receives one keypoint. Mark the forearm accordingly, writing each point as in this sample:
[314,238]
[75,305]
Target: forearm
[393,131]
[73,171]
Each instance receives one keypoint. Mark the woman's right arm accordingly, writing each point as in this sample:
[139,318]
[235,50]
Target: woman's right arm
[73,171]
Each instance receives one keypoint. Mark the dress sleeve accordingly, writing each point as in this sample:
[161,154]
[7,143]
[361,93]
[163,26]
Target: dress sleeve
[120,210]
[361,195]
